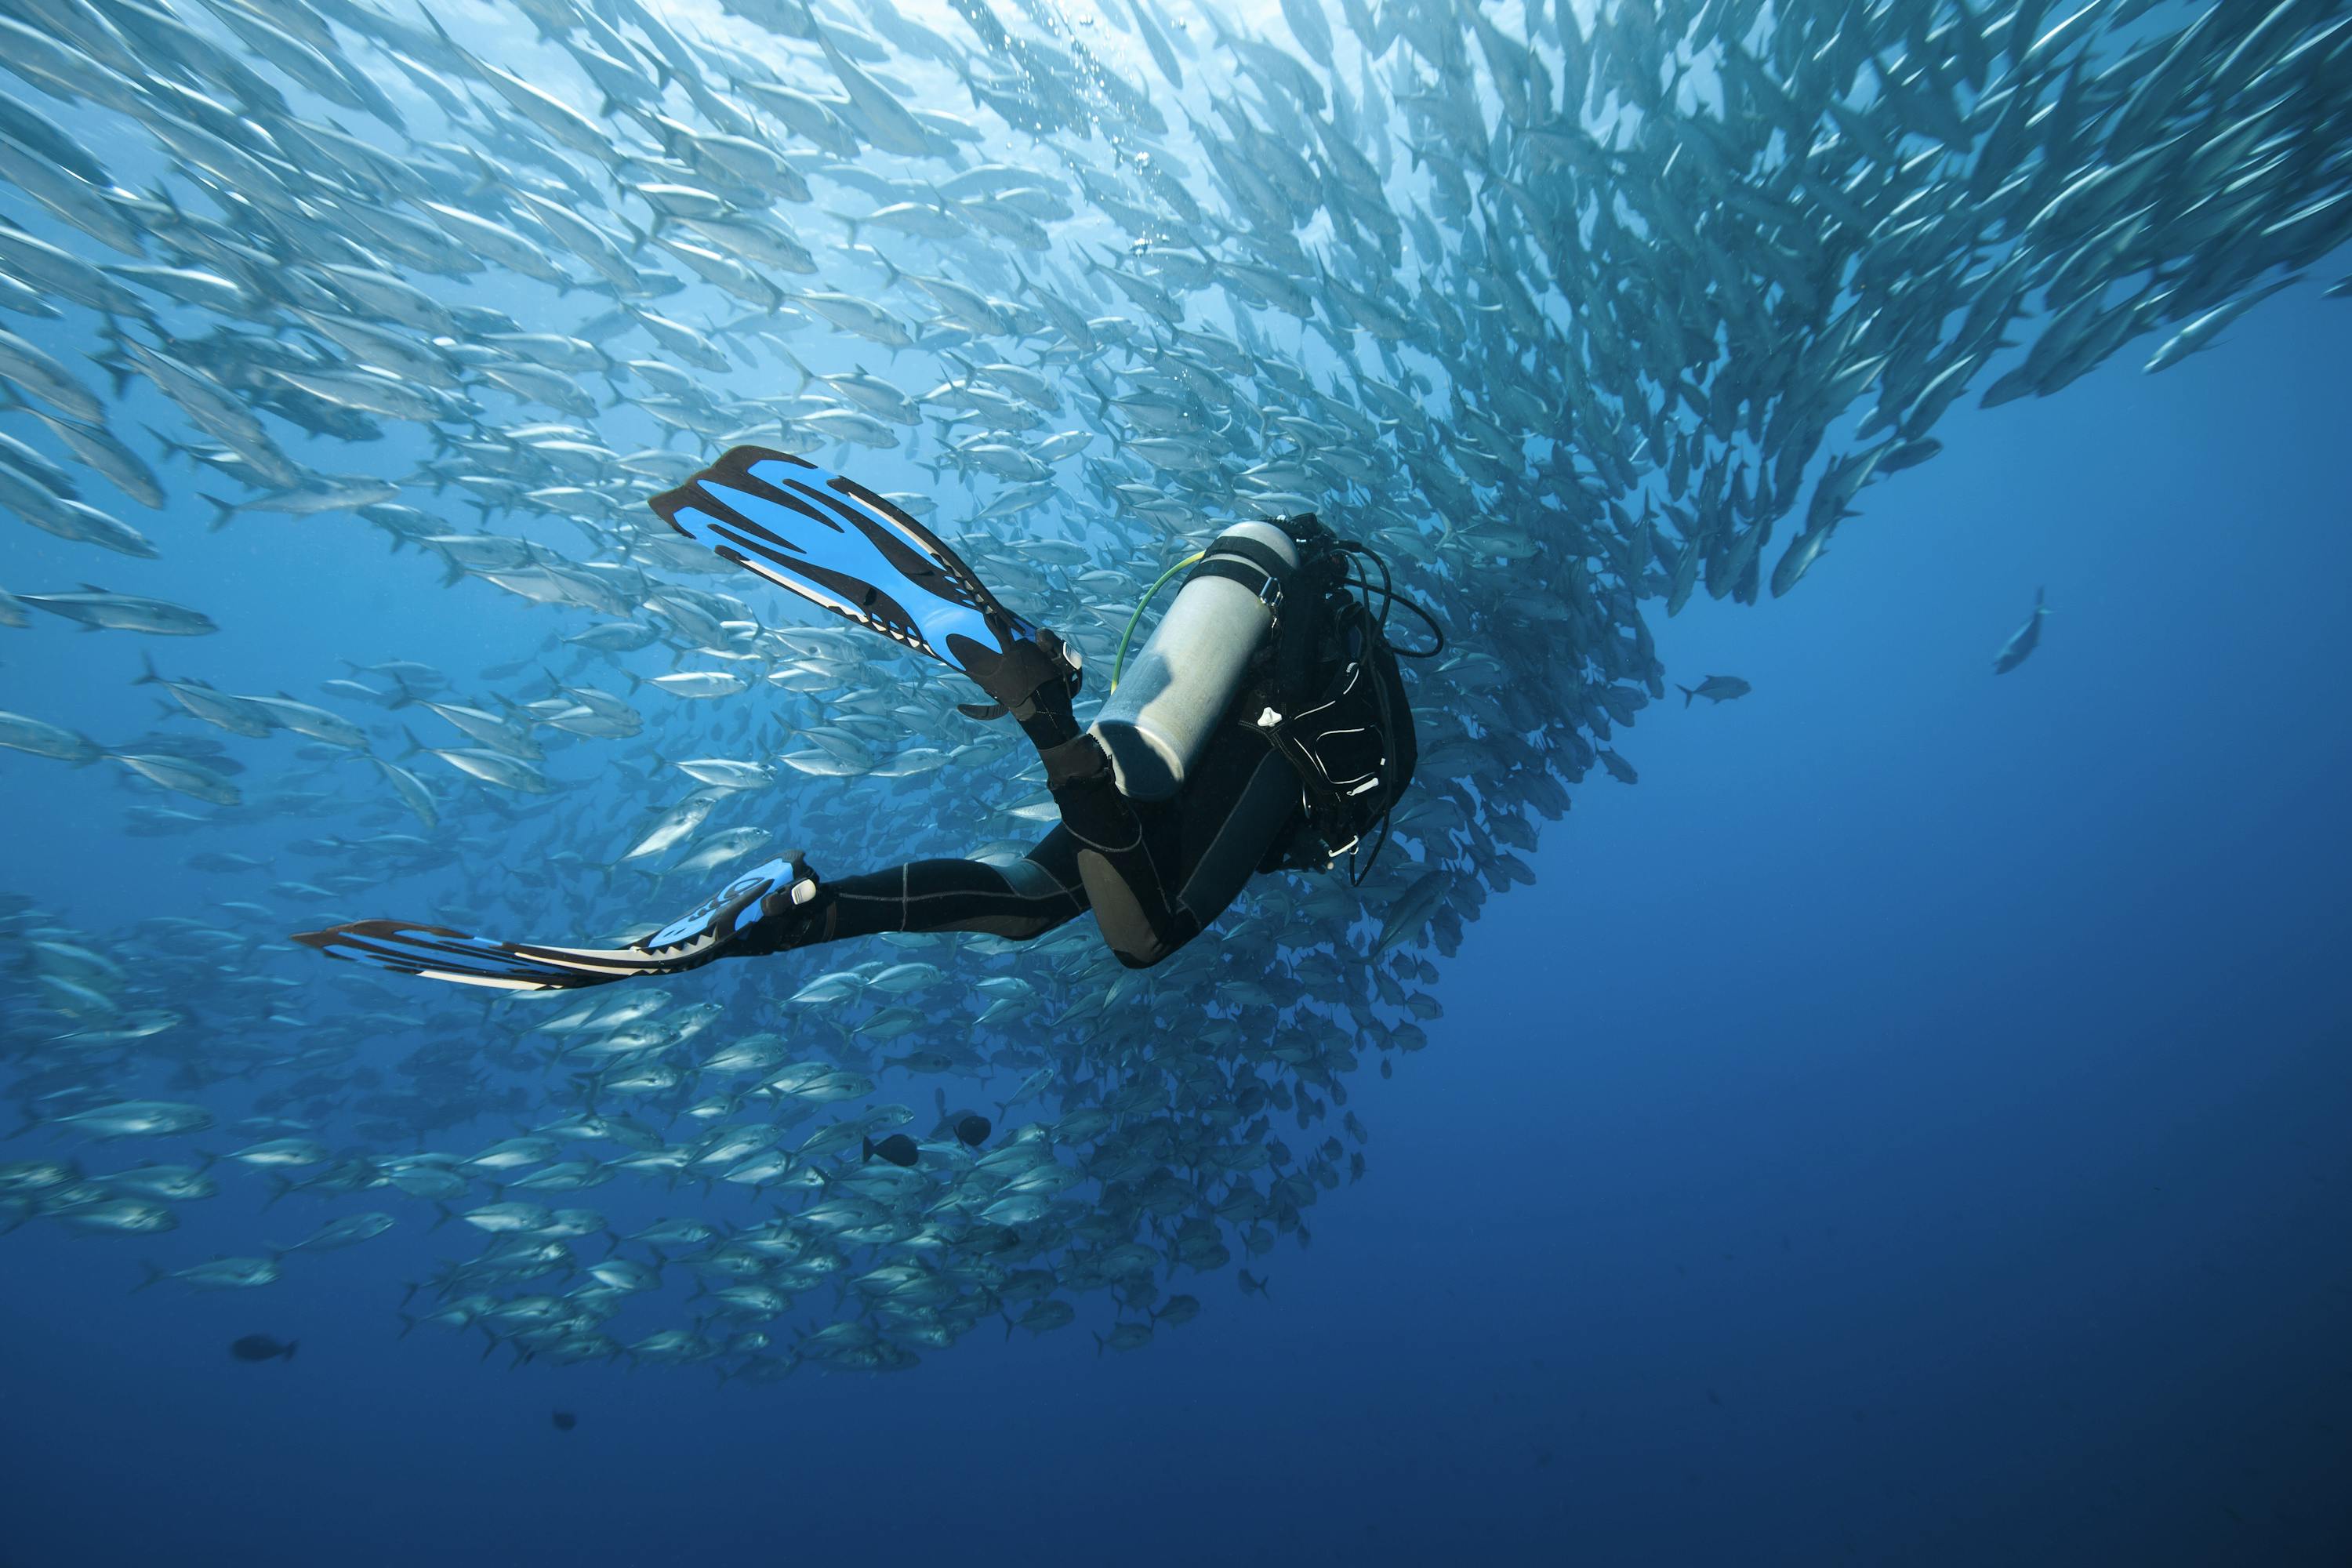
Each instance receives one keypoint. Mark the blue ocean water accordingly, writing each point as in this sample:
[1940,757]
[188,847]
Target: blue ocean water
[1904,1127]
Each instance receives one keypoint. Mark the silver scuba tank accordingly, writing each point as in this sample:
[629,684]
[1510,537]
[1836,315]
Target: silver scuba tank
[1170,699]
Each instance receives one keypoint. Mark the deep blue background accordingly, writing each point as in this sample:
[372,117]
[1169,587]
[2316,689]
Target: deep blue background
[1909,1126]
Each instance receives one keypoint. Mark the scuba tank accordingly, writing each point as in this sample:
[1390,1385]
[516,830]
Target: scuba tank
[1164,709]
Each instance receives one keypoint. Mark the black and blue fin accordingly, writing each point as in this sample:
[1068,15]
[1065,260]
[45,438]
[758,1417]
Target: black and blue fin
[845,549]
[770,894]
[437,952]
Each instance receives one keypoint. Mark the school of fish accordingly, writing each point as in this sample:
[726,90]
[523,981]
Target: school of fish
[1572,311]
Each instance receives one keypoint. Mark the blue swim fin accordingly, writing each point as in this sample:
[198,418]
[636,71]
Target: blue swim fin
[769,896]
[845,549]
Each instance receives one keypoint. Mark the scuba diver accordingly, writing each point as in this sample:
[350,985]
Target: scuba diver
[1263,727]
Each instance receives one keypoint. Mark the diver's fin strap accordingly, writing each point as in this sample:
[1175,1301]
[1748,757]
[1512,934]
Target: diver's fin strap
[842,547]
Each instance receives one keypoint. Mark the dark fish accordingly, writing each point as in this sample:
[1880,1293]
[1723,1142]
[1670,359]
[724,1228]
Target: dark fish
[564,1420]
[972,1130]
[261,1347]
[2022,641]
[898,1147]
[1715,688]
[1178,1309]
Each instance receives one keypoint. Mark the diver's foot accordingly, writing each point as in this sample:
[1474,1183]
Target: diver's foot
[1033,672]
[769,909]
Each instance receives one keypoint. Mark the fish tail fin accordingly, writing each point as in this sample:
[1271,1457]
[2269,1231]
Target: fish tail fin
[406,1323]
[171,447]
[451,44]
[152,1275]
[414,745]
[868,1155]
[1098,1344]
[147,675]
[1687,694]
[117,366]
[447,1214]
[222,511]
[792,360]
[291,1346]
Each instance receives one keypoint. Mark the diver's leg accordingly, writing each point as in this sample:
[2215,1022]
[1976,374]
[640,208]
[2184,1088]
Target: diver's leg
[775,908]
[1125,852]
[1156,875]
[1021,899]
[1117,859]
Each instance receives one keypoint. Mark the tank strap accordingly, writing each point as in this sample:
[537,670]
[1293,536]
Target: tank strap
[1262,556]
[1260,579]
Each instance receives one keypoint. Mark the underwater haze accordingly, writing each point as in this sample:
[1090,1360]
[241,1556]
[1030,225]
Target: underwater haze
[1840,1055]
